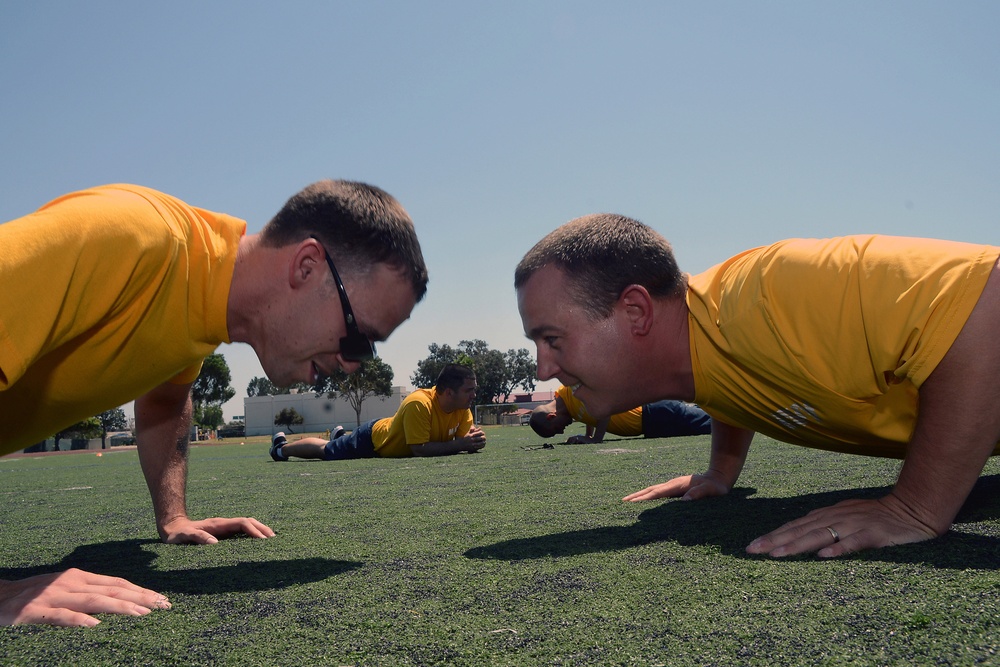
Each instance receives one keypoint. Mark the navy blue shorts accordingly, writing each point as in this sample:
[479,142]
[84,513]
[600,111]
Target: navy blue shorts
[666,419]
[354,445]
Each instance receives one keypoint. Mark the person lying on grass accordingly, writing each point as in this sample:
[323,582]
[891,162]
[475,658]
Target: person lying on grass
[119,293]
[662,419]
[429,422]
[869,345]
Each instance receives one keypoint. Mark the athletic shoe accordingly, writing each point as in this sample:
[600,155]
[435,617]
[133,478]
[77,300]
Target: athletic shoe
[337,432]
[276,443]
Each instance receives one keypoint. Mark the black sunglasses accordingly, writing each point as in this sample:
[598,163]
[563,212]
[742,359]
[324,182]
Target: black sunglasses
[355,346]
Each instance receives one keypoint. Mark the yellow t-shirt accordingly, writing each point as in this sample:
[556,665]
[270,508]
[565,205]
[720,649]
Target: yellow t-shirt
[418,420]
[824,343]
[105,294]
[624,423]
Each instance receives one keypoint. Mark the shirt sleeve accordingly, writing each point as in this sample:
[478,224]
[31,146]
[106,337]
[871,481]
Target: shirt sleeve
[416,417]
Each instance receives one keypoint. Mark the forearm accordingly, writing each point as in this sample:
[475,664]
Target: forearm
[439,448]
[163,422]
[936,478]
[600,430]
[730,445]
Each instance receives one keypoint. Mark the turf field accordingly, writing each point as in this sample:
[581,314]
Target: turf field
[520,555]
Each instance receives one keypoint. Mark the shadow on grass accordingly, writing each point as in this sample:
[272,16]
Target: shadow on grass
[731,522]
[128,559]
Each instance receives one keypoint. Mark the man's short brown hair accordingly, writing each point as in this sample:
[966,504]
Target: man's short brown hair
[453,376]
[601,255]
[360,225]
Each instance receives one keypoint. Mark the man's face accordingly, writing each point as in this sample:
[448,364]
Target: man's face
[306,346]
[580,352]
[558,422]
[552,423]
[463,398]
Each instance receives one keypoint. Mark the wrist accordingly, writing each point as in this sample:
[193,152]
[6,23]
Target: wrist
[163,525]
[720,477]
[927,520]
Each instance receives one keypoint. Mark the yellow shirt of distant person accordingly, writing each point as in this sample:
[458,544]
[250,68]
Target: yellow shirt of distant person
[624,423]
[418,420]
[129,290]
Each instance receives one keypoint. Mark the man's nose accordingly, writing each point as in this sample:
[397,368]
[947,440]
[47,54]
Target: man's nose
[547,368]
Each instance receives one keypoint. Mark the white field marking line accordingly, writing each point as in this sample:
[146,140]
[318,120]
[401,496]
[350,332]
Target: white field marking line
[70,488]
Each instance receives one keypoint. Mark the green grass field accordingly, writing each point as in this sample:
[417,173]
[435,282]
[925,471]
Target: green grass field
[519,555]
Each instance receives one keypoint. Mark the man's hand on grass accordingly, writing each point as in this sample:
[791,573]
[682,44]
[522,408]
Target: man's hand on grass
[474,440]
[209,531]
[688,487]
[848,526]
[68,598]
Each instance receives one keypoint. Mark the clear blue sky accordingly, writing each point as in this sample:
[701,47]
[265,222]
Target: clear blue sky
[724,125]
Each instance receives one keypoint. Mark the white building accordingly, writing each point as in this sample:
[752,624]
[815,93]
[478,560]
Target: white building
[318,414]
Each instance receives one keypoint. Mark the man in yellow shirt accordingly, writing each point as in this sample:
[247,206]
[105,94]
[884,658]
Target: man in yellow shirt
[119,292]
[866,344]
[661,419]
[429,422]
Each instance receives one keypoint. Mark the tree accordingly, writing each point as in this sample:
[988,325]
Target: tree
[374,378]
[264,387]
[213,383]
[211,390]
[287,417]
[84,430]
[522,371]
[111,420]
[497,373]
[491,373]
[427,370]
[208,417]
[98,425]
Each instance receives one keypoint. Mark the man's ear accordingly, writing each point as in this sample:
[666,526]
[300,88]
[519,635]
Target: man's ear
[638,306]
[549,416]
[307,258]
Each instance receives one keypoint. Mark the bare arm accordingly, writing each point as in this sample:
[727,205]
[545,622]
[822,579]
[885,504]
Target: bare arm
[471,442]
[600,430]
[730,445]
[163,420]
[593,433]
[162,424]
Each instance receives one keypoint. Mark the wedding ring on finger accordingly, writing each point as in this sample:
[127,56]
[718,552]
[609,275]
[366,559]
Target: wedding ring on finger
[834,534]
